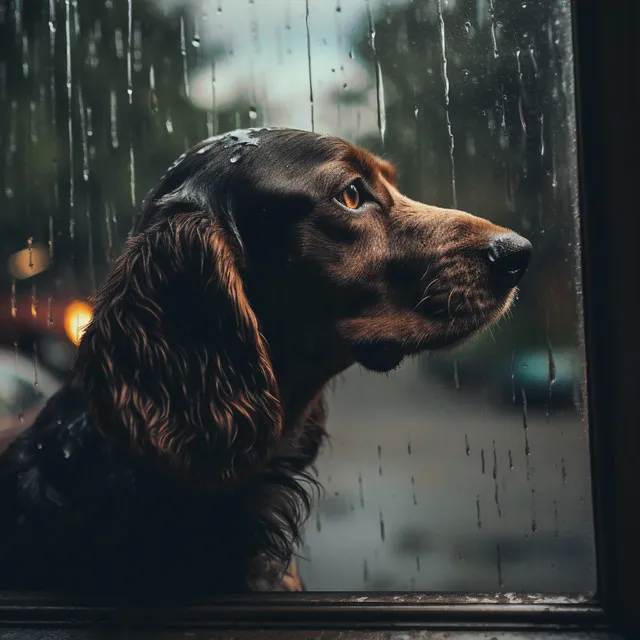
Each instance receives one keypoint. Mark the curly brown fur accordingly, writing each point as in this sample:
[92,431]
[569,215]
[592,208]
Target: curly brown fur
[160,360]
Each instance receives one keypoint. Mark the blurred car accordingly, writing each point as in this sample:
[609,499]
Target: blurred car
[23,393]
[37,349]
[544,377]
[547,376]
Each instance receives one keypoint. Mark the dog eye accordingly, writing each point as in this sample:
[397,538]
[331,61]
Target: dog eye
[350,197]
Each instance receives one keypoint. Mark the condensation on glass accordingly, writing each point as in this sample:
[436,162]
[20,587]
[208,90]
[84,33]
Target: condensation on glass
[464,471]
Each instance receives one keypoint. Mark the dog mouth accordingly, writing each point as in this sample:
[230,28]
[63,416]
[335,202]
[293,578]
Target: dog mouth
[384,353]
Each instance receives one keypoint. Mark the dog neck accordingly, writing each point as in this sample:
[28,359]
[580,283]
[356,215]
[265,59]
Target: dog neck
[303,369]
[303,362]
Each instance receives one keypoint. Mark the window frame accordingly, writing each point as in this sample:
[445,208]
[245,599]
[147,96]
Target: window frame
[607,129]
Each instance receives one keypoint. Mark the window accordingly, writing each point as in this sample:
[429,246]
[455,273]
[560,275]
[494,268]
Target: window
[465,472]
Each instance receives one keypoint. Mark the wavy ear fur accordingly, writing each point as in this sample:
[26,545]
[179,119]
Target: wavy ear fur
[174,359]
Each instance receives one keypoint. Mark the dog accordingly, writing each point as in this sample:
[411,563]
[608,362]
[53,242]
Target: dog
[178,457]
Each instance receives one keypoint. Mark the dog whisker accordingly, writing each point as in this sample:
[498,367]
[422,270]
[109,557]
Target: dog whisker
[424,293]
[449,303]
[449,329]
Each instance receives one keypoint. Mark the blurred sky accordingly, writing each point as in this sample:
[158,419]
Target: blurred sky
[266,59]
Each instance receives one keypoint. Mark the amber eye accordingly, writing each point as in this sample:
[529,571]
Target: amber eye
[351,197]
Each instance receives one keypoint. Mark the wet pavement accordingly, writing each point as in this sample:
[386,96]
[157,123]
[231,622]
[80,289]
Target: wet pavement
[430,487]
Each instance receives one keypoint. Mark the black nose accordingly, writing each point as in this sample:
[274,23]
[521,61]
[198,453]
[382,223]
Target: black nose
[508,256]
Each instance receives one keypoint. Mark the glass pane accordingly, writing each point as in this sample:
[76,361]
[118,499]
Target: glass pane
[465,470]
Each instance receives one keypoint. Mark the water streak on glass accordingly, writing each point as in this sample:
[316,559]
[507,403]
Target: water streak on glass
[445,77]
[494,41]
[67,25]
[84,136]
[382,118]
[311,104]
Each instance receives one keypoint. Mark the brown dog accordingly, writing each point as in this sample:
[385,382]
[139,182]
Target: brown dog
[264,263]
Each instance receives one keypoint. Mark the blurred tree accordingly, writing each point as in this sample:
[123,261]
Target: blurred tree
[96,108]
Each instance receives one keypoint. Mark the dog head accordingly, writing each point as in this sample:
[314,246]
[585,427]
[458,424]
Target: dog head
[261,244]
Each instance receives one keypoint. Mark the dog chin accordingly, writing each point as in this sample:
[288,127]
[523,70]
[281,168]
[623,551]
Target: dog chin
[382,357]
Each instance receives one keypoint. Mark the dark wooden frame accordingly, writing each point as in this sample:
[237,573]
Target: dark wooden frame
[608,75]
[608,109]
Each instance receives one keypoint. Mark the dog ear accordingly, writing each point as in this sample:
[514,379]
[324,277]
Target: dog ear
[174,359]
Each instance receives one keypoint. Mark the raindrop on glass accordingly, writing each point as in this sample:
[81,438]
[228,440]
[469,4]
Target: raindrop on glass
[14,308]
[36,384]
[30,250]
[34,302]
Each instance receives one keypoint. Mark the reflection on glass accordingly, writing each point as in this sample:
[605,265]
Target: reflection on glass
[464,471]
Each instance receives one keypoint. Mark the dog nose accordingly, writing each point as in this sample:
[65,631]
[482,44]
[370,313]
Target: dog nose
[508,256]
